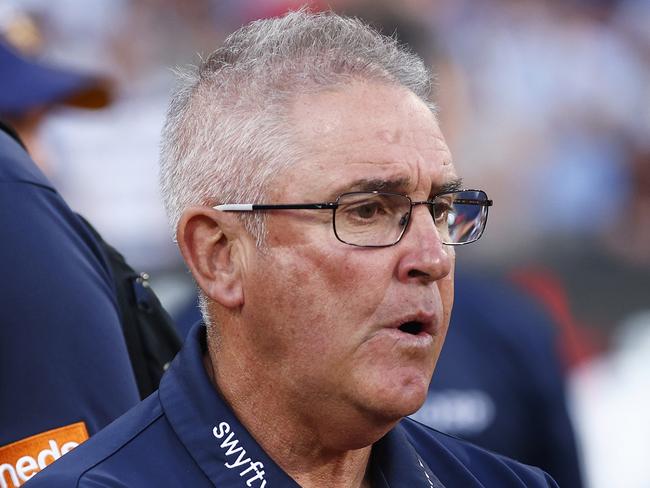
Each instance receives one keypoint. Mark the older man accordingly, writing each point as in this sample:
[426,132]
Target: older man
[317,206]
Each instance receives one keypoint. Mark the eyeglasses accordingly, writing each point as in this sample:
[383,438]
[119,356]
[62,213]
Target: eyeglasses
[379,219]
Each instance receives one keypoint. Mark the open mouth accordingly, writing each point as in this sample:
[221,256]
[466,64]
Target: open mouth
[412,327]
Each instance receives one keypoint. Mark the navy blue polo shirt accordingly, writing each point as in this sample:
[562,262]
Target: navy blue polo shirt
[186,435]
[64,367]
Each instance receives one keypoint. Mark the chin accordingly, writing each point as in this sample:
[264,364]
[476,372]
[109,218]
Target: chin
[378,406]
[397,399]
[409,402]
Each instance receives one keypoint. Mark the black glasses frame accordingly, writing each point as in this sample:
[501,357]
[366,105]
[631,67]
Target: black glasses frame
[334,205]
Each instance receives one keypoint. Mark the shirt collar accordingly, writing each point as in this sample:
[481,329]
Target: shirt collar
[396,464]
[214,437]
[228,454]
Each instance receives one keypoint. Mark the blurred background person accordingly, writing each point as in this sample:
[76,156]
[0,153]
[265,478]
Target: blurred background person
[65,370]
[77,347]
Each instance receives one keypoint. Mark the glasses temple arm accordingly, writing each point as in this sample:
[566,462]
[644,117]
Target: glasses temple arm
[250,207]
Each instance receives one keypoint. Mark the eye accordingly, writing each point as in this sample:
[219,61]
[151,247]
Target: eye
[367,210]
[440,211]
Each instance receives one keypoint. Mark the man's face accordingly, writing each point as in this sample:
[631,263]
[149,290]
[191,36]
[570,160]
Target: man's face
[325,316]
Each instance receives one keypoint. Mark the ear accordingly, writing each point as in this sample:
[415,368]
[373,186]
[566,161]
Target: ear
[210,243]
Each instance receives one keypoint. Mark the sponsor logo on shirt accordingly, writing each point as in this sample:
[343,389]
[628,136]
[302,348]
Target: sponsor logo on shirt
[251,471]
[21,460]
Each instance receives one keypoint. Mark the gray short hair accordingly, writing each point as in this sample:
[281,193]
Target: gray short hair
[228,129]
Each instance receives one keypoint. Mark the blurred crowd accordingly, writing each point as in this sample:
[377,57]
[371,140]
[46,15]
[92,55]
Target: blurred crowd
[545,104]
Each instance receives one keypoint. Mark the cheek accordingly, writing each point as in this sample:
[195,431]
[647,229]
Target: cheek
[322,297]
[319,267]
[340,284]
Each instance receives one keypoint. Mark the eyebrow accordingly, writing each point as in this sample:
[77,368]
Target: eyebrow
[451,185]
[397,185]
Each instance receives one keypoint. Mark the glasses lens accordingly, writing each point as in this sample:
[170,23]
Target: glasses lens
[371,219]
[460,216]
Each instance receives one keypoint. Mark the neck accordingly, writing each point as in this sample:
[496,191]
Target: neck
[303,448]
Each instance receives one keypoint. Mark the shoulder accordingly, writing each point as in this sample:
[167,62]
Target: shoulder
[515,325]
[39,217]
[459,463]
[140,440]
[54,273]
[502,307]
[15,164]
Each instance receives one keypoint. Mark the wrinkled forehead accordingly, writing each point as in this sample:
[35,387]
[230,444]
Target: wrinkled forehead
[367,131]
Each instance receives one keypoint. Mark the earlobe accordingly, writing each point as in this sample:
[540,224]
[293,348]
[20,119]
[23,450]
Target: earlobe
[208,241]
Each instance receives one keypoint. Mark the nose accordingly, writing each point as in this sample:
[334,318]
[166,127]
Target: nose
[424,258]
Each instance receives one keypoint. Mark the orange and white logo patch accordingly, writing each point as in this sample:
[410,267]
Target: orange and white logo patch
[21,460]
